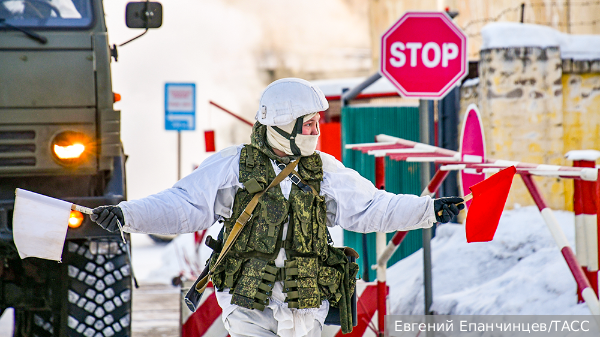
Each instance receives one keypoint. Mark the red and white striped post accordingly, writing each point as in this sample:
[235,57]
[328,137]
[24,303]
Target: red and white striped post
[586,202]
[584,288]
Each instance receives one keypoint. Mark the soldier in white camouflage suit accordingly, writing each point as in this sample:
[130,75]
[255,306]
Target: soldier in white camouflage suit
[282,274]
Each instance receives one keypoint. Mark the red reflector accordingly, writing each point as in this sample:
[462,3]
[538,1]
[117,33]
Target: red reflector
[209,140]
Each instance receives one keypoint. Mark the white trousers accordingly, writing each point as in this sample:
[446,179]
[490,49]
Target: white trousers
[246,322]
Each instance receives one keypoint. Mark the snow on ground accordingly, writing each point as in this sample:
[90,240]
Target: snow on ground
[520,272]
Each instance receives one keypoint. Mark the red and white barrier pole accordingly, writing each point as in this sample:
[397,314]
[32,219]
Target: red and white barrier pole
[588,225]
[586,204]
[580,249]
[584,287]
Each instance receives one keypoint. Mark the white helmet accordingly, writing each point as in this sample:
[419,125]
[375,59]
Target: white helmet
[287,99]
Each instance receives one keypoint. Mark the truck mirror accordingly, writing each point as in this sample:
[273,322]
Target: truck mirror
[143,14]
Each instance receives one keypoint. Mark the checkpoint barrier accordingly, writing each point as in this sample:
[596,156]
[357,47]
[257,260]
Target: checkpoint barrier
[405,150]
[586,201]
[206,320]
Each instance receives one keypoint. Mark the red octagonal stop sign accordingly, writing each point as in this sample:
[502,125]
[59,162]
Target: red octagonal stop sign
[424,54]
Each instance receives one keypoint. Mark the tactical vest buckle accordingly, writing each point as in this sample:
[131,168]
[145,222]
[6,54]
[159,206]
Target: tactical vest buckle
[294,178]
[244,218]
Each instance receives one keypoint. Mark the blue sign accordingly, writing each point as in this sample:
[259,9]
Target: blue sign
[180,106]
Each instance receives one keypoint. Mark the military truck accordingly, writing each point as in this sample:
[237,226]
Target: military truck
[60,136]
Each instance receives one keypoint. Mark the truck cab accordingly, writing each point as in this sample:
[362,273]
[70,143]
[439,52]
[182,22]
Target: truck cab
[60,136]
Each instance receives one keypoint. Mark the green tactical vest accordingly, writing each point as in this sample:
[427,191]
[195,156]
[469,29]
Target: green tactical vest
[314,270]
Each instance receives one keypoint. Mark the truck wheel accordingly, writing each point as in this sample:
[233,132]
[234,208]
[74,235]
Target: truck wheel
[99,288]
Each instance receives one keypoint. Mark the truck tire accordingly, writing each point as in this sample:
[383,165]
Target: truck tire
[99,288]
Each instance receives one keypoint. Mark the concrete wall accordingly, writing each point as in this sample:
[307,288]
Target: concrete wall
[535,108]
[581,110]
[521,105]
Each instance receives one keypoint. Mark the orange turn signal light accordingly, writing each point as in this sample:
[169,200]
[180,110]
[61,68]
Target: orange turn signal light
[75,219]
[116,97]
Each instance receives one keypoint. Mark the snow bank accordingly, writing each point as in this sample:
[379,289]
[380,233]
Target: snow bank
[511,34]
[520,272]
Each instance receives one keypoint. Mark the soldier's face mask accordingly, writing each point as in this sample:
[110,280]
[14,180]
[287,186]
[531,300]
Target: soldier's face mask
[290,140]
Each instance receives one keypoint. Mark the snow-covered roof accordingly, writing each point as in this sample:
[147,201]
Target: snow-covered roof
[333,87]
[471,82]
[580,47]
[511,34]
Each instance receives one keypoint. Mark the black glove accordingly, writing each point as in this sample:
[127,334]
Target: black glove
[447,208]
[107,217]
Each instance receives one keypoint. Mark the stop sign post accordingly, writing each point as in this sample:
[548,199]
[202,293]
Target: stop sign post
[424,54]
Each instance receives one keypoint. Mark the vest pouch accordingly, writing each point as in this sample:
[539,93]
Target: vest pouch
[265,229]
[320,231]
[254,186]
[313,166]
[330,280]
[226,272]
[255,284]
[302,221]
[232,269]
[343,311]
[300,283]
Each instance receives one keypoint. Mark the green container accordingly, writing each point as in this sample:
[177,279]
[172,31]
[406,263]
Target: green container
[361,125]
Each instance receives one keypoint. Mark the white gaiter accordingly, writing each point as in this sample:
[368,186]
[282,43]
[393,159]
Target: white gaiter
[306,143]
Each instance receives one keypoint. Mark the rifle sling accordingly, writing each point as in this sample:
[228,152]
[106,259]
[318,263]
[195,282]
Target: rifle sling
[241,222]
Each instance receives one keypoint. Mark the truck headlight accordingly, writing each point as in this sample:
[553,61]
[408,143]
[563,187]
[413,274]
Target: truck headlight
[69,152]
[70,147]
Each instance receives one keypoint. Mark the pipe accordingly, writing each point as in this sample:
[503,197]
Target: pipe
[365,96]
[352,93]
[381,286]
[380,173]
[380,248]
[231,113]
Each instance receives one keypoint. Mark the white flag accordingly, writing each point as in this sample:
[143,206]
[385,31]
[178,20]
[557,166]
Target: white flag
[40,225]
